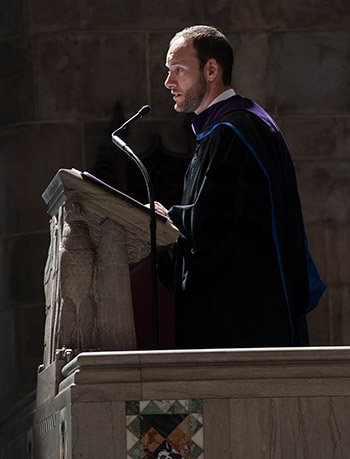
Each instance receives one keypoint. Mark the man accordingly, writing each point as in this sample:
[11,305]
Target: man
[240,267]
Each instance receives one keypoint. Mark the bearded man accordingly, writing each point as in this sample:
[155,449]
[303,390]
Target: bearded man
[239,269]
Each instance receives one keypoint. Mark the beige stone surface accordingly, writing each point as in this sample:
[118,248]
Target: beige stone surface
[87,294]
[317,138]
[257,420]
[328,438]
[16,78]
[48,380]
[76,62]
[7,354]
[339,304]
[217,428]
[252,65]
[290,427]
[99,203]
[322,187]
[330,322]
[337,246]
[95,236]
[327,243]
[12,18]
[278,15]
[87,419]
[319,323]
[142,137]
[44,147]
[48,433]
[20,280]
[323,69]
[263,403]
[109,14]
[217,374]
[162,103]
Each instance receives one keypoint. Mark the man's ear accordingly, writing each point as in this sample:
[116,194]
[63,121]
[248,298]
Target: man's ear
[211,69]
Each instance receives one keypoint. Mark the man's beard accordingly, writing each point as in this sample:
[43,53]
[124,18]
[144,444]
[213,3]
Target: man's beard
[193,97]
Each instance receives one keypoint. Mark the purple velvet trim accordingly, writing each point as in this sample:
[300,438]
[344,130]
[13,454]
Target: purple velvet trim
[232,104]
[239,103]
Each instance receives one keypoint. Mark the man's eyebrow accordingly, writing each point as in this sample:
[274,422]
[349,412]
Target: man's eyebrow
[174,64]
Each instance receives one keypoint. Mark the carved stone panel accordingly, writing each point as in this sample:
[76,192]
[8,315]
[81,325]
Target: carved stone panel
[87,286]
[95,236]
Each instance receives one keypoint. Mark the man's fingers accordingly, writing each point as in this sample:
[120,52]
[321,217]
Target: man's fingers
[158,207]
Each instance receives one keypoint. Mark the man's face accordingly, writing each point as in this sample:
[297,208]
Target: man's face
[185,79]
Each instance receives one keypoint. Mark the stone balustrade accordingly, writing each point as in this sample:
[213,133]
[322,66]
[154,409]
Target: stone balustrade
[212,404]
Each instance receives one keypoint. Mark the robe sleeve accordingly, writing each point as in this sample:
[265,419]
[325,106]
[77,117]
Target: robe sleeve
[230,216]
[166,268]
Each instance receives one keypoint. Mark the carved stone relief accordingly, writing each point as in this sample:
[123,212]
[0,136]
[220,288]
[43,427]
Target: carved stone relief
[87,286]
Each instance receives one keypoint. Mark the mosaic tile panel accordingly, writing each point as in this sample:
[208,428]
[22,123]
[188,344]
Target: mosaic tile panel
[164,429]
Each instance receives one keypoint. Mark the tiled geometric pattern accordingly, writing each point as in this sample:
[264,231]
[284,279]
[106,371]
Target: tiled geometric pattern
[164,429]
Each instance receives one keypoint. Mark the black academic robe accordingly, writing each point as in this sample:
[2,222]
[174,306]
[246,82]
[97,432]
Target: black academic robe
[225,270]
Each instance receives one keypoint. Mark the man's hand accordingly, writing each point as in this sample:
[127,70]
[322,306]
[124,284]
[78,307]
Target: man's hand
[159,208]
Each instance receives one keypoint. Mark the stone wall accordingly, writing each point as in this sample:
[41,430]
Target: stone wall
[64,67]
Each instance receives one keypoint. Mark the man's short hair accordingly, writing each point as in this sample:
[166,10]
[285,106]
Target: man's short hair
[209,42]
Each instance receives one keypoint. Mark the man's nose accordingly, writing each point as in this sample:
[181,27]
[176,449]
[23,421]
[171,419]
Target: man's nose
[169,82]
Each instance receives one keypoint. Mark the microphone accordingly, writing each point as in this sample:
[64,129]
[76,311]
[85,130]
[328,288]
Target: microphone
[142,112]
[153,224]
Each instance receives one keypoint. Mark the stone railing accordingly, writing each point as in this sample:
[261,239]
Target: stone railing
[212,404]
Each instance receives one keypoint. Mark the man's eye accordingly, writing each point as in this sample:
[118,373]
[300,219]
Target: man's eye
[178,70]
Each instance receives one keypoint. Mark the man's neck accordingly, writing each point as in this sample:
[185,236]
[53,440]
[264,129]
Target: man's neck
[212,94]
[223,96]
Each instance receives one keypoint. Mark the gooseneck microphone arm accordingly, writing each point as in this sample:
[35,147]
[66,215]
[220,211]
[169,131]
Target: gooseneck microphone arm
[142,112]
[153,225]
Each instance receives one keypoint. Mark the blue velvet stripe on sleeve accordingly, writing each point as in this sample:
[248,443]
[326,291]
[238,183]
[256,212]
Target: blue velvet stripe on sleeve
[316,286]
[274,228]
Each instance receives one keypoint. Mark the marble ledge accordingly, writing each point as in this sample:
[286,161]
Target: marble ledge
[324,356]
[246,388]
[209,373]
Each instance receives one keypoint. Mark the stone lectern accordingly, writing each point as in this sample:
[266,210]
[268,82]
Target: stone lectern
[96,234]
